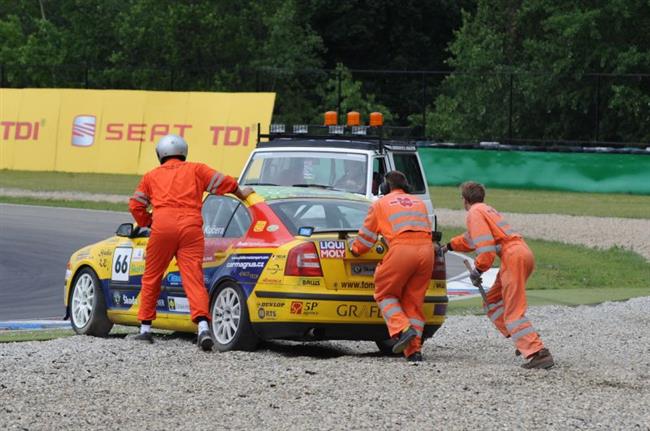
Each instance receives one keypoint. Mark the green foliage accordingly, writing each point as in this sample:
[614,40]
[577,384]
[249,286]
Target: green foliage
[550,50]
[353,98]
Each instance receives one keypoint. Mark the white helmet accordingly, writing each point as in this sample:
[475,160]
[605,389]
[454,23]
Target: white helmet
[171,145]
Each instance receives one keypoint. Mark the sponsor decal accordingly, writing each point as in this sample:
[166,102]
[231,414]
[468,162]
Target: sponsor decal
[213,231]
[178,303]
[138,255]
[272,304]
[274,269]
[247,261]
[332,249]
[173,279]
[305,308]
[272,228]
[20,130]
[363,268]
[266,280]
[358,311]
[106,252]
[259,226]
[137,268]
[130,300]
[263,313]
[310,282]
[83,130]
[296,307]
[402,201]
[357,285]
[103,262]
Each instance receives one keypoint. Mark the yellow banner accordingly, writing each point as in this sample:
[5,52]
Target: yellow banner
[115,131]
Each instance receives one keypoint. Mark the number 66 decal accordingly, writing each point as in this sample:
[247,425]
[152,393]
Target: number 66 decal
[121,264]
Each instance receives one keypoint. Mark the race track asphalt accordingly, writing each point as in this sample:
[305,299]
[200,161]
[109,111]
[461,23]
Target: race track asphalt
[35,244]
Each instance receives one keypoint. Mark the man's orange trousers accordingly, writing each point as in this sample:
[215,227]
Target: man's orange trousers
[401,282]
[506,299]
[175,233]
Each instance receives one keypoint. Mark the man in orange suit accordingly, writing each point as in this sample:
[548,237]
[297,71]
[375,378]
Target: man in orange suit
[490,235]
[403,276]
[175,191]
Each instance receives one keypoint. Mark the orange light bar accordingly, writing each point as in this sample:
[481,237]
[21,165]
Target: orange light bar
[331,118]
[376,119]
[354,118]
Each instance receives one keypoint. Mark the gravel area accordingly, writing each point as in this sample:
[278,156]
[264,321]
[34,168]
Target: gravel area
[470,379]
[596,232]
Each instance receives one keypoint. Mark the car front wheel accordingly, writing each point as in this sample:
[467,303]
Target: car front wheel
[231,325]
[87,305]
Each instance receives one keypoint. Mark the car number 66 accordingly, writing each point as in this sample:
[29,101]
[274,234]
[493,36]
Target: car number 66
[121,264]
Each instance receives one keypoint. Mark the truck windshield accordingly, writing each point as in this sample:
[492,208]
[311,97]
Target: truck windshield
[348,172]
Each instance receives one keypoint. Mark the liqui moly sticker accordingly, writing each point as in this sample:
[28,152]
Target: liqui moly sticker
[332,249]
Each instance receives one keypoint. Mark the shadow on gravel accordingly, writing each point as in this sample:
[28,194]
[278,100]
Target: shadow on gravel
[313,350]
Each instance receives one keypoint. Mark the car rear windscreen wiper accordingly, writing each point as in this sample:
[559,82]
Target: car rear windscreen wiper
[259,184]
[318,186]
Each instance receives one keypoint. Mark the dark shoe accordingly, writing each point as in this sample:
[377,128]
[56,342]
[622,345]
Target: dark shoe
[205,341]
[414,357]
[404,339]
[541,360]
[144,336]
[517,352]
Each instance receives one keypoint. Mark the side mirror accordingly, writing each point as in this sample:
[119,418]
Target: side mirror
[125,229]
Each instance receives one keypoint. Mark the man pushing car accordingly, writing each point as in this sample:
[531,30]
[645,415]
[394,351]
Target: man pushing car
[175,191]
[403,276]
[490,235]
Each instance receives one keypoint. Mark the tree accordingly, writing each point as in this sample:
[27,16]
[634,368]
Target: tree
[548,53]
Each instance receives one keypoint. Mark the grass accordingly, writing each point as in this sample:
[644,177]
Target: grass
[551,202]
[563,266]
[38,335]
[520,201]
[108,206]
[63,181]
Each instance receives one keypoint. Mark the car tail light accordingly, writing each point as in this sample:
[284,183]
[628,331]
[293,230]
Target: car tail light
[439,266]
[303,260]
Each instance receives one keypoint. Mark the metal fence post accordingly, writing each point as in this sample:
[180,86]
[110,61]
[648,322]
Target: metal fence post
[338,99]
[597,134]
[424,106]
[510,111]
[86,76]
[2,75]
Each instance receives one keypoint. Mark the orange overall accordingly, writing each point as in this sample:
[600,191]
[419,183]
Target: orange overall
[175,191]
[403,276]
[490,235]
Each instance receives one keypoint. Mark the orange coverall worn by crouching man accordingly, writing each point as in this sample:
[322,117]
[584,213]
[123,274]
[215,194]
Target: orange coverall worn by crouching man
[489,235]
[403,276]
[175,191]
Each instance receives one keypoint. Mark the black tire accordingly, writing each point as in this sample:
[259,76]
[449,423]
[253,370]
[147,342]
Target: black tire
[230,322]
[87,305]
[386,346]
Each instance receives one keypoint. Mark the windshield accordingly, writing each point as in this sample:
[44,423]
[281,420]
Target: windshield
[324,169]
[321,214]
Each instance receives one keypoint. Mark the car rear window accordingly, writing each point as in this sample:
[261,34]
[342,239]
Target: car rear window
[321,214]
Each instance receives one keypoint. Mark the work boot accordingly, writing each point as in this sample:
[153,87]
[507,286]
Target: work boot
[541,359]
[205,341]
[404,339]
[146,337]
[414,357]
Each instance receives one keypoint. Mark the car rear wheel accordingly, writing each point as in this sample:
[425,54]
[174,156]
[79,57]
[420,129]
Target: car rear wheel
[87,305]
[231,325]
[386,346]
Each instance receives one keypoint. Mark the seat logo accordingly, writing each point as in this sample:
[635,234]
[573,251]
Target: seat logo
[83,130]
